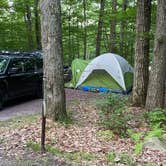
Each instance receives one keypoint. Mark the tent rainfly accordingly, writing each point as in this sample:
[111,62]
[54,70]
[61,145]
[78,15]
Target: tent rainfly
[107,70]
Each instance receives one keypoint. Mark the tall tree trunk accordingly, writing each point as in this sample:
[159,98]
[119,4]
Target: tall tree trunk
[100,26]
[141,52]
[69,34]
[156,88]
[54,93]
[28,21]
[122,29]
[37,24]
[113,28]
[85,30]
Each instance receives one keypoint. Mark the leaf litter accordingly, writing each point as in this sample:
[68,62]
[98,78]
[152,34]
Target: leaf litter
[81,136]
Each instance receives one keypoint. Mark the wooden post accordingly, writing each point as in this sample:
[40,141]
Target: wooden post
[43,129]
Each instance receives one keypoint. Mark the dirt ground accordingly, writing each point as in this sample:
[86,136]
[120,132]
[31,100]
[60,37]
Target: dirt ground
[78,143]
[30,105]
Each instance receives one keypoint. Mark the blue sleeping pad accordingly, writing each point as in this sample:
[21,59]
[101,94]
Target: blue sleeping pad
[95,89]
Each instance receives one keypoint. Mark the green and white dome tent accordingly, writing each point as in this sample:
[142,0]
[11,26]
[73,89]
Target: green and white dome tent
[107,71]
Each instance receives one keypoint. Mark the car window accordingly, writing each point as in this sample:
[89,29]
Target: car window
[3,64]
[29,65]
[17,65]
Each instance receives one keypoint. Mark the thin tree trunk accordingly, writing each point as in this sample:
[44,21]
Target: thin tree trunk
[156,88]
[106,39]
[85,30]
[113,28]
[141,52]
[37,24]
[78,40]
[69,34]
[122,29]
[100,26]
[54,93]
[28,21]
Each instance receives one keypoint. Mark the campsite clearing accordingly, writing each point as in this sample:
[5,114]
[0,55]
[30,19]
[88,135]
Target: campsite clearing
[78,141]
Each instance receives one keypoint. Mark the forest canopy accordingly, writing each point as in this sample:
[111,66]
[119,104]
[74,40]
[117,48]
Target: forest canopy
[20,27]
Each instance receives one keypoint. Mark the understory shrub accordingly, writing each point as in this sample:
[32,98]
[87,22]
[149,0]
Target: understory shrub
[113,114]
[157,117]
[157,123]
[139,137]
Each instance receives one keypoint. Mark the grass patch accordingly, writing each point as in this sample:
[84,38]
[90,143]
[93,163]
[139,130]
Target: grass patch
[34,146]
[105,134]
[73,156]
[1,140]
[37,161]
[67,121]
[126,159]
[122,158]
[111,156]
[19,121]
[78,156]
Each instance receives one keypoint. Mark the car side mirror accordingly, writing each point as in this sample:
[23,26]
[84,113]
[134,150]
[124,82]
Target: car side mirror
[13,70]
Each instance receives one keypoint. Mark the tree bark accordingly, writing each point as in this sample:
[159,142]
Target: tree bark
[122,29]
[78,40]
[85,30]
[37,24]
[156,88]
[113,28]
[141,52]
[54,94]
[100,26]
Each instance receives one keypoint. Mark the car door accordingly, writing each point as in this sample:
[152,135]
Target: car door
[16,78]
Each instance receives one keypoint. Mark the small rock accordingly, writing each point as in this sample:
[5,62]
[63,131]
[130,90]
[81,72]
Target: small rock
[155,143]
[117,159]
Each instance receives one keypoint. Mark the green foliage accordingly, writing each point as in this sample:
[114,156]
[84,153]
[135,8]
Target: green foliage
[156,131]
[33,145]
[79,156]
[105,134]
[1,140]
[14,33]
[139,138]
[67,120]
[113,115]
[124,158]
[111,156]
[73,156]
[157,116]
[19,121]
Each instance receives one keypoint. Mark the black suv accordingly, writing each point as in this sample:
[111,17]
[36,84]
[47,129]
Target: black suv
[20,75]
